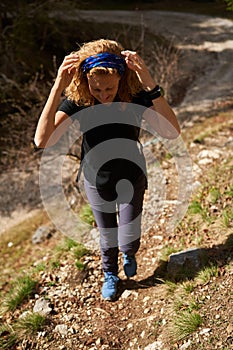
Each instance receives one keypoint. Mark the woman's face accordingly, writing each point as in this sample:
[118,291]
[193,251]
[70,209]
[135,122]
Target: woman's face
[103,87]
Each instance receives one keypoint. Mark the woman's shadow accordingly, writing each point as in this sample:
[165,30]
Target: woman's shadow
[192,264]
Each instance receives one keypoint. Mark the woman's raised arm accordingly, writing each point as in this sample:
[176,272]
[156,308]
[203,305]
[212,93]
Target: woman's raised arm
[160,116]
[46,134]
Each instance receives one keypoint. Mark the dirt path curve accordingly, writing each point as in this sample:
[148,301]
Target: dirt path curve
[207,43]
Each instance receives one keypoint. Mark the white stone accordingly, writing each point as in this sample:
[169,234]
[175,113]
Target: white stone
[147,310]
[157,345]
[146,299]
[205,161]
[186,345]
[213,154]
[204,331]
[61,329]
[126,294]
[42,307]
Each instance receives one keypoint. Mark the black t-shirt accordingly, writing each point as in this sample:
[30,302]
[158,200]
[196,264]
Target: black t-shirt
[111,150]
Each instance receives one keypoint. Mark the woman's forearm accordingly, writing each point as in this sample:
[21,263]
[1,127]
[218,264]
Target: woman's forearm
[162,119]
[166,118]
[47,123]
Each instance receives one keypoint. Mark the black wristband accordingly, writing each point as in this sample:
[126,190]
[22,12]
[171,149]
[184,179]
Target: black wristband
[154,93]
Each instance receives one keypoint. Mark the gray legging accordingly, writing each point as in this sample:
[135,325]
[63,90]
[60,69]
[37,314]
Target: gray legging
[117,211]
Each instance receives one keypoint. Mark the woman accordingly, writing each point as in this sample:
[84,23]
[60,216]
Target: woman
[97,75]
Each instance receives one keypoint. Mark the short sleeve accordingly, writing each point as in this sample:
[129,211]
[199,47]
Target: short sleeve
[69,107]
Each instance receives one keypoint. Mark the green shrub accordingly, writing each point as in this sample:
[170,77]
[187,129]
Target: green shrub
[21,291]
[186,323]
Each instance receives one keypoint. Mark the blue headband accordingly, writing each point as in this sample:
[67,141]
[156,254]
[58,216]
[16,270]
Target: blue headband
[104,59]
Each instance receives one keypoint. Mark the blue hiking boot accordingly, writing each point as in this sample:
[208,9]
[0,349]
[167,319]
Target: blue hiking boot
[130,265]
[109,289]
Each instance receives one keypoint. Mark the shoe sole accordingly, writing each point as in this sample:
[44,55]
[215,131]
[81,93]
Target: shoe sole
[108,299]
[128,277]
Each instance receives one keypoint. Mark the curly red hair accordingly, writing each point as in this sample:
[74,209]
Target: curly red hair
[78,90]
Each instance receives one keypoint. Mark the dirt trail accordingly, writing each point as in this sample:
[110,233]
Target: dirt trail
[206,41]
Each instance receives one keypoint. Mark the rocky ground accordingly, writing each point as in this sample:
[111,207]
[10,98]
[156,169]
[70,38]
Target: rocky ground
[146,306]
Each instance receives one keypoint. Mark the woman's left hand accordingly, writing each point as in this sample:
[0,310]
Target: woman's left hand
[136,63]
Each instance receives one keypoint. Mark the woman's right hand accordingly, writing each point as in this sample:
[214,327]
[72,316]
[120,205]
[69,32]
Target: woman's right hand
[66,71]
